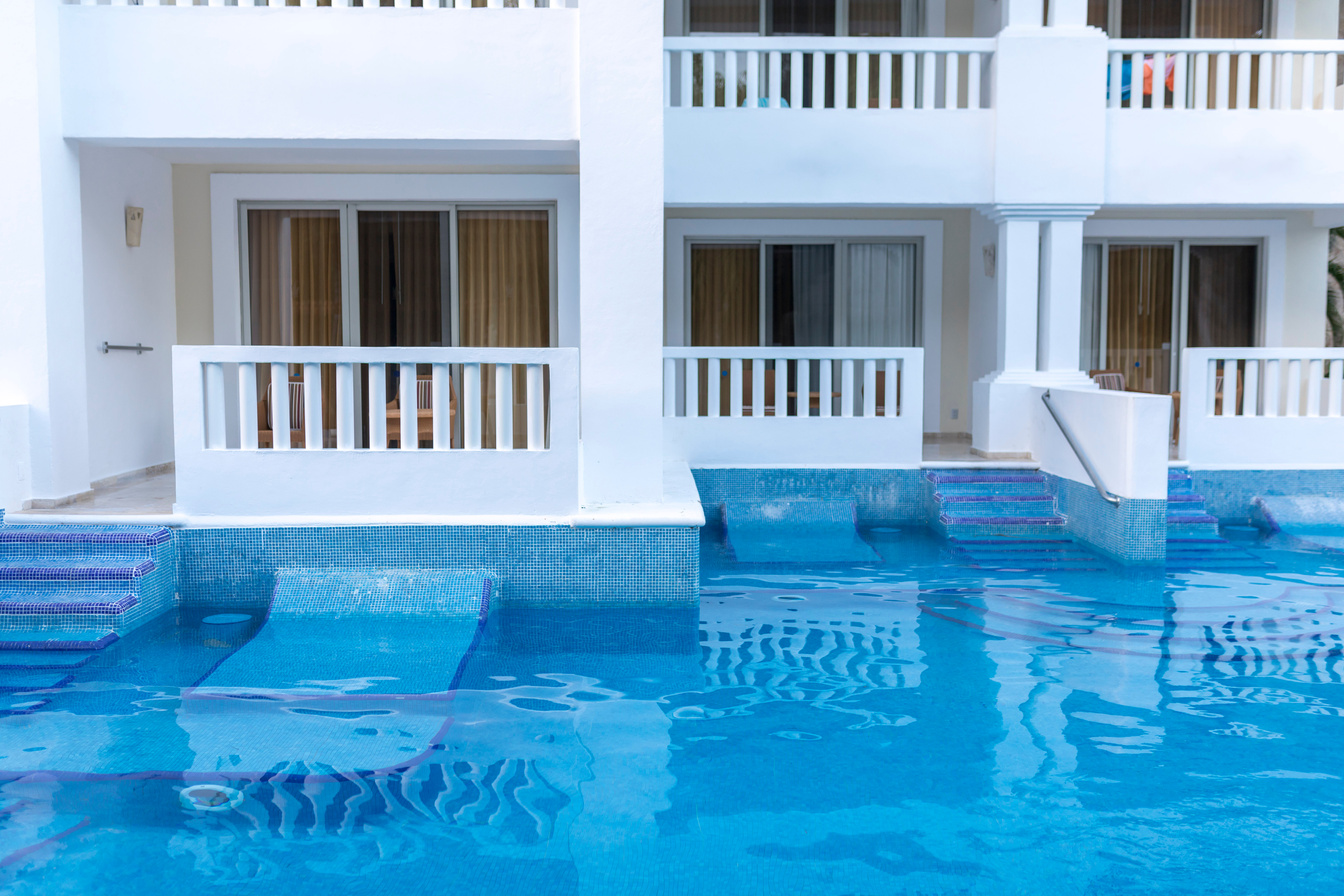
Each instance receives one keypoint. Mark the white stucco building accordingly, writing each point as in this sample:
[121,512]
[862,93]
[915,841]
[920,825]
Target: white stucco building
[884,226]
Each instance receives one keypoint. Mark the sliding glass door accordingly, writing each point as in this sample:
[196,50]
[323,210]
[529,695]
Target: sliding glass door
[379,276]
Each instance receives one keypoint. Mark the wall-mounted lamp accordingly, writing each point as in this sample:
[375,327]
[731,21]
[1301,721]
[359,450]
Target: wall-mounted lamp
[135,219]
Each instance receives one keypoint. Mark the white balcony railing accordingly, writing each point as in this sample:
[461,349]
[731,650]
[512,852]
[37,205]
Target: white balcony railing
[1262,407]
[1225,74]
[370,4]
[855,73]
[499,429]
[794,406]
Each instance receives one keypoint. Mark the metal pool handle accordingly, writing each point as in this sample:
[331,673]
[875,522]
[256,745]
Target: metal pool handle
[1078,450]
[137,348]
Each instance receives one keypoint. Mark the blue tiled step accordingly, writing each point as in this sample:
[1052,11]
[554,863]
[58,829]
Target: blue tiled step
[957,489]
[55,597]
[32,659]
[33,680]
[1051,519]
[76,534]
[1026,554]
[1210,553]
[85,639]
[960,478]
[62,569]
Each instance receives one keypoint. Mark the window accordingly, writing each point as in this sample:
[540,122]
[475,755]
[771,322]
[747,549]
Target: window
[821,293]
[854,18]
[1179,18]
[1144,301]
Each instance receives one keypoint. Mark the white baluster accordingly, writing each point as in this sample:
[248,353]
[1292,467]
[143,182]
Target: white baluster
[842,80]
[908,79]
[884,81]
[1307,89]
[313,436]
[308,3]
[1201,81]
[1294,389]
[1314,374]
[1264,91]
[1117,80]
[824,388]
[345,406]
[687,79]
[692,387]
[215,436]
[279,401]
[1211,388]
[667,79]
[951,80]
[504,407]
[1159,82]
[869,388]
[891,401]
[440,403]
[803,386]
[536,407]
[1229,407]
[1332,408]
[730,79]
[930,66]
[781,387]
[1179,94]
[1243,80]
[377,407]
[846,387]
[400,4]
[818,88]
[471,407]
[1285,68]
[974,82]
[669,387]
[796,80]
[410,422]
[713,388]
[757,387]
[707,79]
[1224,74]
[735,387]
[247,405]
[753,83]
[1272,387]
[861,77]
[1329,91]
[1250,403]
[776,78]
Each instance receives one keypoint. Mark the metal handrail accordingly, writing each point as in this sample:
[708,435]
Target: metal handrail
[1078,450]
[137,348]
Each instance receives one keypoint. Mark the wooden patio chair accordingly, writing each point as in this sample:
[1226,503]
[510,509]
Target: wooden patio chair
[424,412]
[266,426]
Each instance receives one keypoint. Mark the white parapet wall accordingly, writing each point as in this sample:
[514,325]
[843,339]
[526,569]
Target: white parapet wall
[520,462]
[1262,408]
[16,473]
[794,407]
[1124,434]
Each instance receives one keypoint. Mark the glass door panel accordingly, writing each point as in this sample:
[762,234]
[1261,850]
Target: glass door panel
[1140,293]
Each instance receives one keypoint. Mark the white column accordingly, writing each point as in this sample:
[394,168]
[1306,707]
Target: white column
[621,251]
[1061,300]
[43,348]
[1065,13]
[1025,13]
[1018,262]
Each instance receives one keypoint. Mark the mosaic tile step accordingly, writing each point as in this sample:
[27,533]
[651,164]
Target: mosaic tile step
[1026,487]
[32,659]
[58,569]
[72,553]
[1051,519]
[940,477]
[85,639]
[55,600]
[1212,554]
[1028,555]
[1043,508]
[78,534]
[33,680]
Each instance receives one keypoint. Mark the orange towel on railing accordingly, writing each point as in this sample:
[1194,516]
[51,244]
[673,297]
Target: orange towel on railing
[1148,74]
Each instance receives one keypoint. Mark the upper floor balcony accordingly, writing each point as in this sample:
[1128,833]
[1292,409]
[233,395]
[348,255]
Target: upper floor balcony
[448,72]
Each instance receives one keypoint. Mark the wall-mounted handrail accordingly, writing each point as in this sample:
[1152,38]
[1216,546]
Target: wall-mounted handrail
[1078,450]
[137,348]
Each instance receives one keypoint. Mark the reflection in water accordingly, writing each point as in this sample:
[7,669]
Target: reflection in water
[879,729]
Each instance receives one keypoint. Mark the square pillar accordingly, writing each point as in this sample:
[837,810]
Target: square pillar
[1018,263]
[621,252]
[1024,13]
[1061,295]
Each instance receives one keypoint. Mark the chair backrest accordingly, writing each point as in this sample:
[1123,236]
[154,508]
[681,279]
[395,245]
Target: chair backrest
[1110,381]
[424,393]
[295,405]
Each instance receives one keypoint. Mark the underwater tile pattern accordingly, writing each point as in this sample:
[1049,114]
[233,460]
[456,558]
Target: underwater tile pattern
[1229,495]
[881,497]
[1134,533]
[534,564]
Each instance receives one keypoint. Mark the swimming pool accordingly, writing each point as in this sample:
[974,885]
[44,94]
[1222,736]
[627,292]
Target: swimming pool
[910,726]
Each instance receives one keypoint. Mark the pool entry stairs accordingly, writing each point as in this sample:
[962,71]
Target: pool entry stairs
[79,588]
[1193,540]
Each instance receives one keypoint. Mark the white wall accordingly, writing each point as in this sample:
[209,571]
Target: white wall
[42,346]
[128,298]
[16,471]
[244,73]
[1304,289]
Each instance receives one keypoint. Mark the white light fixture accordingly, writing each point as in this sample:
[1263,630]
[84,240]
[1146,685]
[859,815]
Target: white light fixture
[135,219]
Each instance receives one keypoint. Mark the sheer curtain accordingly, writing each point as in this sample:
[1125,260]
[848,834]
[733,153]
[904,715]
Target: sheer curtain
[801,295]
[1223,282]
[1089,349]
[504,297]
[883,307]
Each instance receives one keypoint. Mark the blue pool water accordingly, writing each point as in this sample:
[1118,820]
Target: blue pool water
[909,726]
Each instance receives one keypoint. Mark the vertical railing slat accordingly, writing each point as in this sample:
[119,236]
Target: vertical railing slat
[781,387]
[313,436]
[377,400]
[803,381]
[345,406]
[536,408]
[707,79]
[846,387]
[685,98]
[1179,93]
[1201,81]
[1117,80]
[410,418]
[974,82]
[1314,374]
[471,406]
[818,82]
[503,407]
[1250,402]
[440,403]
[870,388]
[1272,387]
[908,79]
[692,387]
[891,402]
[776,74]
[951,80]
[753,86]
[1332,408]
[824,388]
[735,387]
[929,66]
[757,387]
[796,80]
[1243,80]
[247,405]
[861,76]
[884,80]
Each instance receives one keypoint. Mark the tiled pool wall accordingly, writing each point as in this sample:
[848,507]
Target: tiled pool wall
[1229,494]
[881,497]
[1133,533]
[535,564]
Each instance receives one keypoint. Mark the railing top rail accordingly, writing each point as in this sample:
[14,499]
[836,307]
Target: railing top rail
[1223,45]
[359,355]
[731,352]
[831,44]
[1265,354]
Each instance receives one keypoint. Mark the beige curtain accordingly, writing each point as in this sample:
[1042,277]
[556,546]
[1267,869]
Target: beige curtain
[294,259]
[725,295]
[723,16]
[1138,316]
[1232,19]
[504,296]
